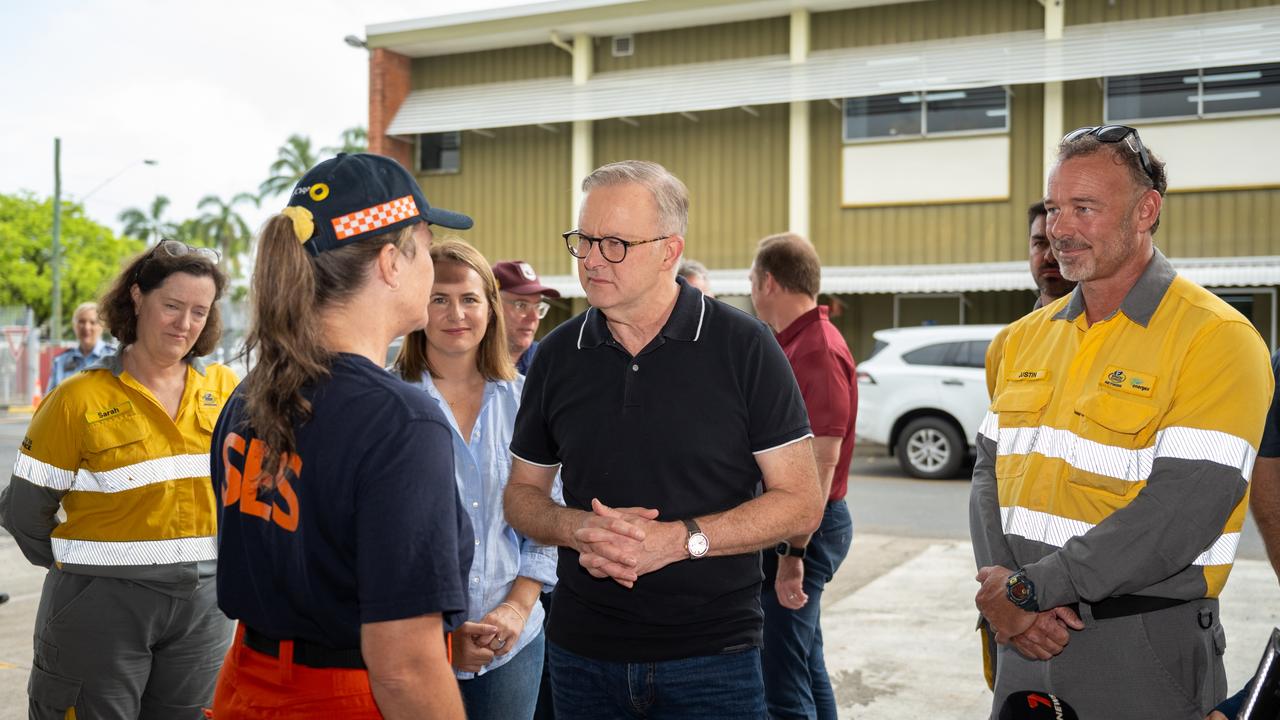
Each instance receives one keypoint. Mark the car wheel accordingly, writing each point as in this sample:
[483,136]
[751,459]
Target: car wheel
[931,448]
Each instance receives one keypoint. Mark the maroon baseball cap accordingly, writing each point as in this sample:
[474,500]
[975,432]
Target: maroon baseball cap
[517,276]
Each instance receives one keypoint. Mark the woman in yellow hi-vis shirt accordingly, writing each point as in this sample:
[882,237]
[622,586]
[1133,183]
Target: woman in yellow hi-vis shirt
[128,624]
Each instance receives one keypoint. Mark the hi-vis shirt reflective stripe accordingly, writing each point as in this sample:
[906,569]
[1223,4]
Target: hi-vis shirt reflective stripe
[1115,456]
[133,482]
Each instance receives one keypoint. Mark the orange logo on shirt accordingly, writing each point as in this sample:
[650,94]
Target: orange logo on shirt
[241,463]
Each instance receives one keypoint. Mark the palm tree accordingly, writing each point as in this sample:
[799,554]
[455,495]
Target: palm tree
[149,225]
[354,140]
[224,226]
[293,159]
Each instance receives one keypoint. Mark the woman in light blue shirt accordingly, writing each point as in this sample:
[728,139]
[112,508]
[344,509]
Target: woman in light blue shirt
[461,361]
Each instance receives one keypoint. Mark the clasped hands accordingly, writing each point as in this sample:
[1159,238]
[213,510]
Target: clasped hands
[1036,635]
[625,543]
[476,644]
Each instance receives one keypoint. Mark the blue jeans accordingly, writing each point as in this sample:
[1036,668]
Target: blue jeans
[712,687]
[511,691]
[795,672]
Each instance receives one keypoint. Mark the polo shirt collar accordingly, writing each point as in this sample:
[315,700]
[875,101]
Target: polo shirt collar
[685,322]
[1143,298]
[798,325]
[115,363]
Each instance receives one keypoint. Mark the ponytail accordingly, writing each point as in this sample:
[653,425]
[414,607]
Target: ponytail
[289,292]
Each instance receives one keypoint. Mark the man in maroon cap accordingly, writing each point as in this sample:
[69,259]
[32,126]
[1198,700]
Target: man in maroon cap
[523,307]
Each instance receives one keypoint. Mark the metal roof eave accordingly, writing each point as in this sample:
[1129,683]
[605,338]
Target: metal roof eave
[1256,271]
[1085,51]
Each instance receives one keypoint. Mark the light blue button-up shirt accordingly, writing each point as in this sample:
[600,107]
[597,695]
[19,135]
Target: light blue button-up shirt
[73,361]
[482,465]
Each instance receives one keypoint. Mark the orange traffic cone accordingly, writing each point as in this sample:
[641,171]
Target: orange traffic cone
[36,396]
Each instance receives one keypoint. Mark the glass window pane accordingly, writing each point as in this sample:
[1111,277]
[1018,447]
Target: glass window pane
[1139,97]
[964,110]
[928,355]
[1240,89]
[882,116]
[440,152]
[973,354]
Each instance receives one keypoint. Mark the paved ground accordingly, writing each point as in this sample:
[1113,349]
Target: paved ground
[898,619]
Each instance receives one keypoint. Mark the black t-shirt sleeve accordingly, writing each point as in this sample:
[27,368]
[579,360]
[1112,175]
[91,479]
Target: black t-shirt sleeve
[1271,433]
[776,407]
[410,529]
[532,440]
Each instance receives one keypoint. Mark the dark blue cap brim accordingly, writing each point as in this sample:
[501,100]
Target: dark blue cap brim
[449,219]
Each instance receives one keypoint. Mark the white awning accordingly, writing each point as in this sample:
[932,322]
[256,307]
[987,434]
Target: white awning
[1260,271]
[1235,37]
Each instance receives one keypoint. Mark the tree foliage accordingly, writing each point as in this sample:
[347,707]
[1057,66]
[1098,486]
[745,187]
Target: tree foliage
[149,225]
[224,226]
[92,255]
[293,159]
[353,140]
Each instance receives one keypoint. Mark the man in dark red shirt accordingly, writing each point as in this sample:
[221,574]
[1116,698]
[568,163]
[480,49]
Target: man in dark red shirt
[784,289]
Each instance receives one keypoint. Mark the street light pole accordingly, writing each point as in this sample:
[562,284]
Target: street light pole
[55,318]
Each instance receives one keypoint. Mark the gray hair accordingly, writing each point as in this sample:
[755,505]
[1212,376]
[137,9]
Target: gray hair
[691,268]
[84,306]
[1123,153]
[670,195]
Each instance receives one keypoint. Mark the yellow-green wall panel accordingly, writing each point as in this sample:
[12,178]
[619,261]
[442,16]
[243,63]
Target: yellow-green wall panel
[531,62]
[516,186]
[1079,12]
[917,21]
[734,164]
[770,36]
[907,234]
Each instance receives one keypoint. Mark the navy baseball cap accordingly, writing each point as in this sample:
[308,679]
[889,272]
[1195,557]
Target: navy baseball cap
[357,195]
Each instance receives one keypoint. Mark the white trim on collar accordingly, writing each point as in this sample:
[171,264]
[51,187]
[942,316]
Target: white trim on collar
[701,313]
[585,317]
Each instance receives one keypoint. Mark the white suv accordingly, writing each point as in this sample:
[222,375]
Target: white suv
[923,394]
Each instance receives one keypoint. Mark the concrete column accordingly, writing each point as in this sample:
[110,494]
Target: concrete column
[1054,22]
[798,147]
[581,163]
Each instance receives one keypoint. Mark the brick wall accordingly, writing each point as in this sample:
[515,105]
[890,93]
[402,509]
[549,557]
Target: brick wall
[388,87]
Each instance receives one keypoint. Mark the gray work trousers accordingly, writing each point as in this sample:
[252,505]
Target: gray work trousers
[1165,664]
[116,649]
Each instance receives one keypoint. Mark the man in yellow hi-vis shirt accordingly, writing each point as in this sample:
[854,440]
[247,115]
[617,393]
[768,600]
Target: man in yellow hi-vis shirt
[1112,469]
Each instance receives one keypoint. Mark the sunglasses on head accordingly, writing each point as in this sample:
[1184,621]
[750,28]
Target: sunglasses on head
[1114,134]
[177,248]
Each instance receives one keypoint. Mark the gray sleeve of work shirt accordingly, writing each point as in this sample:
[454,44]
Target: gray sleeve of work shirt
[30,513]
[985,528]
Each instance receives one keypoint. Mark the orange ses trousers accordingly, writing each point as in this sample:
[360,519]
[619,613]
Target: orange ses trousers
[256,686]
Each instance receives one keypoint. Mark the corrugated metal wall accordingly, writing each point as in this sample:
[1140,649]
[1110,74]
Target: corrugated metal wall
[913,22]
[516,186]
[904,234]
[1196,224]
[530,62]
[734,164]
[1079,12]
[729,41]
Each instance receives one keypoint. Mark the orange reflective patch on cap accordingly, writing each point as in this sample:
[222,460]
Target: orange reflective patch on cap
[378,216]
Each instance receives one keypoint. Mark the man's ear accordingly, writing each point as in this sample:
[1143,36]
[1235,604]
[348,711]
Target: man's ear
[673,248]
[1148,209]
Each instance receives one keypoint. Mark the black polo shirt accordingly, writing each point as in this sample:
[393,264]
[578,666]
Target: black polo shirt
[674,428]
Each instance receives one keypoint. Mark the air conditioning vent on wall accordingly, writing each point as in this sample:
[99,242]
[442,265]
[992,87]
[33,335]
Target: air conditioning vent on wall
[623,45]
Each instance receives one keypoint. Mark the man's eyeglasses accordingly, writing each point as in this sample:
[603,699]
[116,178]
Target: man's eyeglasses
[1114,134]
[542,307]
[611,248]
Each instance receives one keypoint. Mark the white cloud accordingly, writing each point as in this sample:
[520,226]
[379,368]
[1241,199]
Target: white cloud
[208,90]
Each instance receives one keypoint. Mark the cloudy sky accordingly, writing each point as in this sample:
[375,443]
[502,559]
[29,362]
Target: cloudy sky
[208,90]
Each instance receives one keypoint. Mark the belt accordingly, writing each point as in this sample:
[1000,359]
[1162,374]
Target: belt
[1125,605]
[305,653]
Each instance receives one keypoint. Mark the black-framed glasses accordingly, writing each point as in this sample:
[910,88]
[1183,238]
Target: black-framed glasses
[1115,134]
[611,248]
[542,307]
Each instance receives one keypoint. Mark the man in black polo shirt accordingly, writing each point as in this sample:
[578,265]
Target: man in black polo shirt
[665,412]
